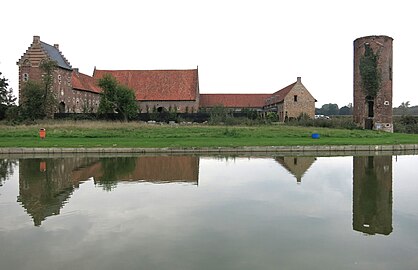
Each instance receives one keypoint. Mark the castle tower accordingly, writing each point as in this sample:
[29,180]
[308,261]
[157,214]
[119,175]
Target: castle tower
[30,62]
[373,82]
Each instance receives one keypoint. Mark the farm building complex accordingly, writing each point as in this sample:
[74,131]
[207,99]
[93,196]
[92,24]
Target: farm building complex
[160,89]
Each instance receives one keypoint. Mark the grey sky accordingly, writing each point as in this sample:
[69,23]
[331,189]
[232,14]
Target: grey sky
[240,46]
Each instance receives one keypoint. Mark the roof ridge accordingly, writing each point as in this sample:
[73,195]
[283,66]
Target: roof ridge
[146,69]
[236,94]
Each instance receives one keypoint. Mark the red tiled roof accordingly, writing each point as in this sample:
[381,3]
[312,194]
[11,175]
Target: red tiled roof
[279,96]
[233,100]
[84,82]
[157,84]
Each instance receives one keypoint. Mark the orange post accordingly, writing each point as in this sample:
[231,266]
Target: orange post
[42,166]
[42,133]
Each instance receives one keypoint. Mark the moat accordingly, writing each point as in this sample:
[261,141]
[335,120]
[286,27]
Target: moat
[208,212]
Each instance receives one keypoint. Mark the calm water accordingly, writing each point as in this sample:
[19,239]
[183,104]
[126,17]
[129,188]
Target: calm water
[189,212]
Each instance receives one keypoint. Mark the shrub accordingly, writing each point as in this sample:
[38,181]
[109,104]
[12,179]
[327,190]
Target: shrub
[335,122]
[272,117]
[406,124]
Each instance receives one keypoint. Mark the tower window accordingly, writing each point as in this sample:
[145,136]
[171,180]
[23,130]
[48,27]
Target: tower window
[59,79]
[370,105]
[27,63]
[25,77]
[295,98]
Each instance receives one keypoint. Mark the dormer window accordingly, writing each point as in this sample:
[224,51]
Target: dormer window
[25,77]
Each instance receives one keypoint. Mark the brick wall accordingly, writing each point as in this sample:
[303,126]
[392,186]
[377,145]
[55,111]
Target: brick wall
[69,99]
[303,103]
[192,106]
[382,103]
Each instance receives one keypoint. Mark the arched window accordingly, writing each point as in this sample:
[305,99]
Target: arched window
[26,63]
[61,107]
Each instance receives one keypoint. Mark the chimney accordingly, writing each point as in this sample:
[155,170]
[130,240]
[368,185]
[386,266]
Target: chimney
[299,79]
[57,46]
[36,39]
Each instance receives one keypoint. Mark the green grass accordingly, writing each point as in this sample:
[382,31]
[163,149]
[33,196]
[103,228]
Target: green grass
[116,134]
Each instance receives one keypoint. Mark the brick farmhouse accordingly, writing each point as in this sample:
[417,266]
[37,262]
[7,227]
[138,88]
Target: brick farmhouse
[160,90]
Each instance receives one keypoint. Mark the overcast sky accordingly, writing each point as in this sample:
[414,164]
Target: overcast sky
[240,46]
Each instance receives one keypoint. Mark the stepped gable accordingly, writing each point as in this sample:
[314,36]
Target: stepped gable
[161,85]
[233,100]
[84,82]
[38,50]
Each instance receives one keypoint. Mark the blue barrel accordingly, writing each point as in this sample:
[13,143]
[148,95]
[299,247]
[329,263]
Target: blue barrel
[315,135]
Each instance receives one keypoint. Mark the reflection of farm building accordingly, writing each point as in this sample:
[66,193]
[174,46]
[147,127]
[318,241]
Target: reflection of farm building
[45,185]
[160,90]
[372,194]
[297,166]
[157,169]
[373,110]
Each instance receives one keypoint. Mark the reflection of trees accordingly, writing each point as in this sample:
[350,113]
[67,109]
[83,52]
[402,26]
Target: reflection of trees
[372,194]
[6,169]
[113,168]
[45,185]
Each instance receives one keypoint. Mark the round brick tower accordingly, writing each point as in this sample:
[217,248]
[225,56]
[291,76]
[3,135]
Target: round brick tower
[372,107]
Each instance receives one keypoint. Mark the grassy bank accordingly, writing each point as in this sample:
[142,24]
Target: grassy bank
[116,134]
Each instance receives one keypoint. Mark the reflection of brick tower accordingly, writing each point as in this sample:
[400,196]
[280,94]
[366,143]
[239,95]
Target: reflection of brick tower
[372,194]
[373,82]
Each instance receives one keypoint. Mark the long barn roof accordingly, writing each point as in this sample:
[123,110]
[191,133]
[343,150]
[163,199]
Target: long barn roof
[157,84]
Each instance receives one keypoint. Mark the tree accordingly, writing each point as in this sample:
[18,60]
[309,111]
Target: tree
[330,109]
[347,110]
[38,100]
[117,98]
[33,101]
[218,114]
[7,99]
[49,103]
[404,107]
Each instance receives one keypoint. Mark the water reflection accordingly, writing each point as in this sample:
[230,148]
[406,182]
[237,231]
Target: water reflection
[6,169]
[372,194]
[297,166]
[45,185]
[157,169]
[246,212]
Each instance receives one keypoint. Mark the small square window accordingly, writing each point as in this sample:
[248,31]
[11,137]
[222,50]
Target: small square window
[295,98]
